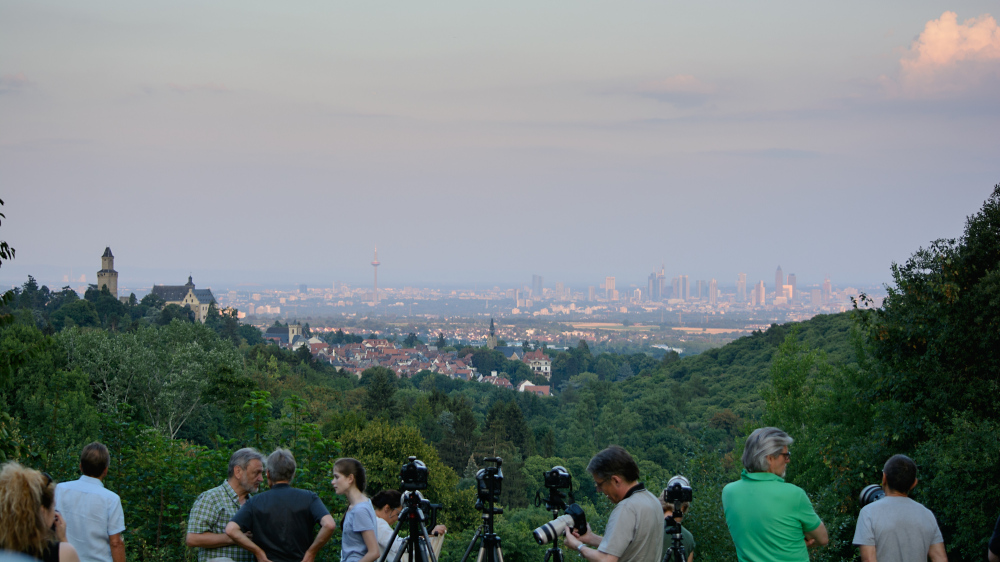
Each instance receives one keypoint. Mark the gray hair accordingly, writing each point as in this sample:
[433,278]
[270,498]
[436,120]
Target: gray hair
[281,466]
[242,459]
[762,443]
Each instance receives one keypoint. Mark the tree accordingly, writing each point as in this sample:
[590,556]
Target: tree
[411,340]
[380,397]
[6,253]
[173,312]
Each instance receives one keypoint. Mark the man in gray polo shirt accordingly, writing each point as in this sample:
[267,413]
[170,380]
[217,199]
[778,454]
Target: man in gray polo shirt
[635,528]
[896,528]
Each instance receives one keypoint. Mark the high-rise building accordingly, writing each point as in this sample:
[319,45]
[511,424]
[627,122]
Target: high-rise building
[741,287]
[700,287]
[760,293]
[779,280]
[375,264]
[685,288]
[815,297]
[653,287]
[609,288]
[536,286]
[591,293]
[827,290]
[791,282]
[559,291]
[713,292]
[675,288]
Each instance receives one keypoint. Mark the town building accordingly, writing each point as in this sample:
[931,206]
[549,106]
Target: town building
[198,300]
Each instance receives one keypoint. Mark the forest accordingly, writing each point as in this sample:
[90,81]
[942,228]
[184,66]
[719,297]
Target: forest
[172,398]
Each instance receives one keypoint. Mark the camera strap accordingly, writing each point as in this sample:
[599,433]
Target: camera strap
[637,488]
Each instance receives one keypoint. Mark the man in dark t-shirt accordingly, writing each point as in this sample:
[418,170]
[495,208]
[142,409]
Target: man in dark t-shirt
[994,549]
[282,519]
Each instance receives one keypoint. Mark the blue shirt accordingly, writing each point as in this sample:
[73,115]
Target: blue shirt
[359,519]
[92,514]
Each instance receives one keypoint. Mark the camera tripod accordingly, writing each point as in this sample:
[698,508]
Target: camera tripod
[676,552]
[417,544]
[554,503]
[489,542]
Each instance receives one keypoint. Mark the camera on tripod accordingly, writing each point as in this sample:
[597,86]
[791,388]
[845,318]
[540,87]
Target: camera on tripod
[556,480]
[678,491]
[489,483]
[871,493]
[413,475]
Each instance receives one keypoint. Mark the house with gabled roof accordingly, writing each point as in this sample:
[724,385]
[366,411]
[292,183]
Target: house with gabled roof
[198,300]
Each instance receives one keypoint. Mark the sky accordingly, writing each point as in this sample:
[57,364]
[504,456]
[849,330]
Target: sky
[481,143]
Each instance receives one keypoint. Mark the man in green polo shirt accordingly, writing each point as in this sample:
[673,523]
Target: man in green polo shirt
[770,519]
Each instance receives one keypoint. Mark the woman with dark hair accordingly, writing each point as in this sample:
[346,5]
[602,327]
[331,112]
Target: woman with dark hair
[31,525]
[388,504]
[358,542]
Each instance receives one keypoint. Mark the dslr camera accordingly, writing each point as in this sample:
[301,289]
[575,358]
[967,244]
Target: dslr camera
[678,491]
[575,518]
[870,494]
[413,475]
[558,478]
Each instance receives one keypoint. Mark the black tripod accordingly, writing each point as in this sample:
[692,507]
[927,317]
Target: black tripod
[417,543]
[676,552]
[554,503]
[489,547]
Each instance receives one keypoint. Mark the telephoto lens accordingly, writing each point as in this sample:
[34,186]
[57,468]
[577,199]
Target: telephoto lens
[871,493]
[575,517]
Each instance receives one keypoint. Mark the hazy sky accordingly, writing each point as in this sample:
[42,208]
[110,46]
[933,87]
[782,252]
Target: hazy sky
[483,142]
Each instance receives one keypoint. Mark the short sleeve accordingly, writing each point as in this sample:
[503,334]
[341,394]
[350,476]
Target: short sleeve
[864,534]
[364,519]
[317,509]
[116,517]
[619,535]
[244,517]
[807,515]
[199,520]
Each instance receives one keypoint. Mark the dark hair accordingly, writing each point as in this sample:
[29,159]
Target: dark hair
[351,467]
[384,498]
[611,461]
[900,473]
[94,460]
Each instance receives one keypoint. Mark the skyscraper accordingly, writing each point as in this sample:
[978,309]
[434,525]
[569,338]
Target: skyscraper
[791,282]
[609,288]
[536,286]
[713,292]
[685,289]
[700,285]
[741,287]
[827,290]
[560,288]
[591,293]
[779,280]
[760,293]
[675,288]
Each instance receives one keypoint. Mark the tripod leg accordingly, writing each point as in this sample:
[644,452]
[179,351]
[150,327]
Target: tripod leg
[392,540]
[478,535]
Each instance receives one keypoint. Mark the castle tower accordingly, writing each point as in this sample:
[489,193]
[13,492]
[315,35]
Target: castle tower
[107,276]
[375,264]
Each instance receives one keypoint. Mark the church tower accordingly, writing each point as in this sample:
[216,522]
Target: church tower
[107,276]
[491,340]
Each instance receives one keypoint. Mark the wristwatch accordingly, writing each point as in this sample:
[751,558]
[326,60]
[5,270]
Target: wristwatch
[580,548]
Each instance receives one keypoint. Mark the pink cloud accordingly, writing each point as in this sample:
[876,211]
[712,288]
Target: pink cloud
[682,89]
[949,57]
[13,83]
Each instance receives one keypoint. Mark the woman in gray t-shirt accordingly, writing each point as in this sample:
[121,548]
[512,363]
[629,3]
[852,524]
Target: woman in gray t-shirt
[358,543]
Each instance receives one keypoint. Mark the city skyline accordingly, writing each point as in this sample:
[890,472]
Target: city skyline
[274,143]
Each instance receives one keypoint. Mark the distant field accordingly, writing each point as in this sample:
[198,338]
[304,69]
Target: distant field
[610,326]
[712,330]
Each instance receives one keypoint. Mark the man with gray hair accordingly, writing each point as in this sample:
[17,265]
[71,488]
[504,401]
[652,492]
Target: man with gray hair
[215,507]
[768,518]
[282,520]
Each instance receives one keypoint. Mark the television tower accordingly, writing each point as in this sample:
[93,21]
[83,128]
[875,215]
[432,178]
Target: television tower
[375,264]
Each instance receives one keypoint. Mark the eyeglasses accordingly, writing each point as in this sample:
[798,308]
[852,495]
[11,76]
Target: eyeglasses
[599,483]
[48,478]
[787,455]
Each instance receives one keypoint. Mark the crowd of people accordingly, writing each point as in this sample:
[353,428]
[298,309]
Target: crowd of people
[769,519]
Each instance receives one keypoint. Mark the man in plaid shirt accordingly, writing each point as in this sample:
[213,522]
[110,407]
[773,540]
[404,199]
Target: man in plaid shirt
[214,508]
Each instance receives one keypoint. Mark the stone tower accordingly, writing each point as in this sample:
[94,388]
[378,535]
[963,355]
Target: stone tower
[107,276]
[491,340]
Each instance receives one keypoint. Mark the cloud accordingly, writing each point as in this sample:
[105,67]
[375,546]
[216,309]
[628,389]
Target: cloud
[949,58]
[680,90]
[211,87]
[12,83]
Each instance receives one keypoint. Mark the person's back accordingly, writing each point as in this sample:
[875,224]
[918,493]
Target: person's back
[902,529]
[768,513]
[93,514]
[282,520]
